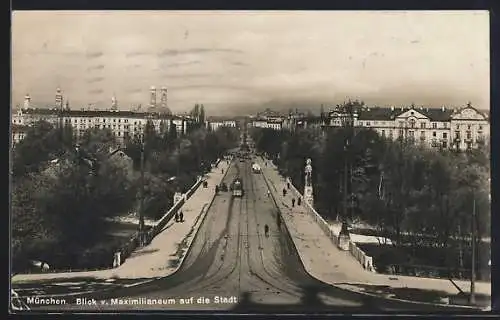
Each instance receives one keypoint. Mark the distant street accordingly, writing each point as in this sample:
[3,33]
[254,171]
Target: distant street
[234,265]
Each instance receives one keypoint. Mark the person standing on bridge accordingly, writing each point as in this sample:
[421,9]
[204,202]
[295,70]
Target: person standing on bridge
[299,201]
[266,230]
[293,202]
[177,217]
[181,217]
[284,192]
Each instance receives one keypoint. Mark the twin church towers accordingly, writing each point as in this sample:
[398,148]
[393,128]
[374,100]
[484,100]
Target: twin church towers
[60,104]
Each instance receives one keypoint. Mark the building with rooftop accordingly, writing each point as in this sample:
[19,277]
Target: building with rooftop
[461,128]
[124,124]
[213,123]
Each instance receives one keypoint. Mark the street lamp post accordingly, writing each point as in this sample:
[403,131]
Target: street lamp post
[347,117]
[141,196]
[473,267]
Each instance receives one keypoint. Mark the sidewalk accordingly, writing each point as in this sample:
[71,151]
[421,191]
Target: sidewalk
[324,261]
[164,255]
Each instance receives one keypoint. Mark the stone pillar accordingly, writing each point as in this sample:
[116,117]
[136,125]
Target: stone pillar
[308,187]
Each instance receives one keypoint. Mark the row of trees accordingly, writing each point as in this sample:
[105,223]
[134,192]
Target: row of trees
[416,196]
[60,195]
[172,163]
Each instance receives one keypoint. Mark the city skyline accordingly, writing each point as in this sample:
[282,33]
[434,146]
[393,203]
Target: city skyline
[231,61]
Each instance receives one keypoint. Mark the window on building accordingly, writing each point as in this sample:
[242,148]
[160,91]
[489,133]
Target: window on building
[390,134]
[361,123]
[457,134]
[114,120]
[400,133]
[445,125]
[445,144]
[434,133]
[434,125]
[401,123]
[458,126]
[412,123]
[368,123]
[422,125]
[383,133]
[469,135]
[468,127]
[480,127]
[422,134]
[445,135]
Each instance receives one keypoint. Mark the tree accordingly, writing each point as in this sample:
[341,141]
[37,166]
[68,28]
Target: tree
[43,142]
[201,118]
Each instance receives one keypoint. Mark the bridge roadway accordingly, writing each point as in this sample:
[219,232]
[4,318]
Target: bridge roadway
[231,257]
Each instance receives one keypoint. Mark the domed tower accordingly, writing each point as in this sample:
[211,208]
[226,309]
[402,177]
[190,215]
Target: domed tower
[114,103]
[163,98]
[59,99]
[152,94]
[27,101]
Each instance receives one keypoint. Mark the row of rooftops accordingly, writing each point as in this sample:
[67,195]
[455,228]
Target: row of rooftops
[99,113]
[389,114]
[375,113]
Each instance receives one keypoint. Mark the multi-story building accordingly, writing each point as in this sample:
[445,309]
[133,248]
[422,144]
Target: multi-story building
[214,123]
[122,123]
[461,128]
[276,124]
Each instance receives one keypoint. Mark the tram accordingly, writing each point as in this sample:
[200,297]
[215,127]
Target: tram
[237,188]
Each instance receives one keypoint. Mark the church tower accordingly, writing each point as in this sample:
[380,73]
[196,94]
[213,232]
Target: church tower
[59,99]
[27,101]
[152,94]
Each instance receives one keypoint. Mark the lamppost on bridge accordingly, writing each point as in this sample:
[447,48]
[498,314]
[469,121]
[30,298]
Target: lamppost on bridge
[347,117]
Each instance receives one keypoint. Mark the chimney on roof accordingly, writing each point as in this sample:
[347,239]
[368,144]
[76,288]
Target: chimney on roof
[392,108]
[402,108]
[443,108]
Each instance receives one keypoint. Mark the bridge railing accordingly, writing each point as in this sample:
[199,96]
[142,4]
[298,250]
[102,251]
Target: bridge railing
[133,243]
[365,260]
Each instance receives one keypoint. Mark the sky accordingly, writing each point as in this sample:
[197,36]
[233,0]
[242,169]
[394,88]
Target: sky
[238,61]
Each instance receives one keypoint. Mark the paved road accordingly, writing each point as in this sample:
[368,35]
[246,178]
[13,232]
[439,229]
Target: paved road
[234,265]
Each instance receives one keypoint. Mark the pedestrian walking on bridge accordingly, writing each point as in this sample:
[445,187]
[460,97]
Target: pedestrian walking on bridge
[299,201]
[293,202]
[266,230]
[177,217]
[284,192]
[181,216]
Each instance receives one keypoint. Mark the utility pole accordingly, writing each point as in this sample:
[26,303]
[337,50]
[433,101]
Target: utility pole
[344,220]
[141,196]
[473,267]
